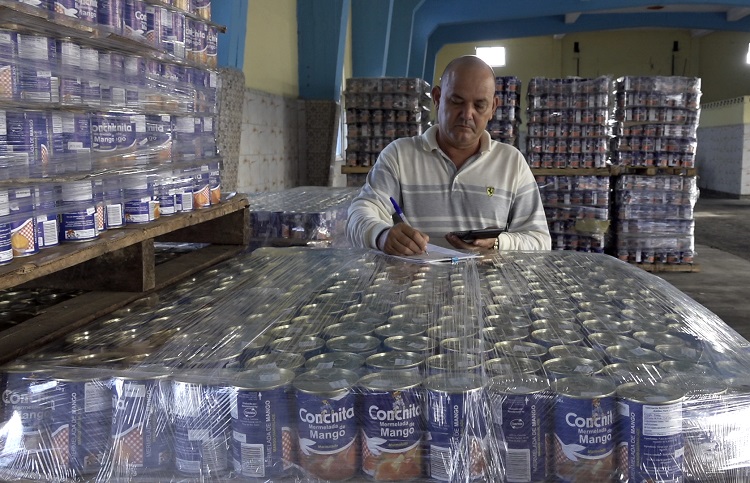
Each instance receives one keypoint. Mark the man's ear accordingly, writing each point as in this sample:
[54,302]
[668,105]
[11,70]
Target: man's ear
[436,95]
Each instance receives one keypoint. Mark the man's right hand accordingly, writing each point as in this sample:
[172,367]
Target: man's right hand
[402,239]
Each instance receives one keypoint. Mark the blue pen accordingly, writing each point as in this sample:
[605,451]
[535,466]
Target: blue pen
[399,215]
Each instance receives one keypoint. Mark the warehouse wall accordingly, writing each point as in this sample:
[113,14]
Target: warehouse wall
[271,139]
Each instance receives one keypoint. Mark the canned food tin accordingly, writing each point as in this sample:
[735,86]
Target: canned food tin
[575,351]
[601,340]
[623,372]
[560,367]
[408,362]
[109,14]
[306,346]
[392,426]
[636,355]
[478,347]
[140,421]
[78,224]
[261,417]
[417,343]
[327,424]
[336,360]
[686,368]
[551,337]
[650,446]
[510,366]
[521,411]
[80,421]
[679,352]
[347,328]
[394,330]
[134,18]
[363,345]
[281,360]
[650,340]
[584,423]
[521,349]
[456,426]
[453,363]
[25,399]
[504,333]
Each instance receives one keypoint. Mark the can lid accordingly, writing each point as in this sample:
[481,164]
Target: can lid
[263,378]
[583,387]
[337,360]
[454,382]
[646,393]
[390,381]
[633,354]
[356,344]
[571,365]
[519,384]
[326,381]
[394,360]
[284,360]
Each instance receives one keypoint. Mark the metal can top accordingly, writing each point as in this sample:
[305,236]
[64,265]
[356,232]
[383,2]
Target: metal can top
[467,345]
[455,362]
[646,393]
[297,345]
[347,328]
[143,373]
[575,351]
[78,375]
[653,339]
[697,386]
[210,377]
[520,349]
[393,330]
[454,383]
[550,337]
[326,382]
[411,343]
[622,372]
[508,332]
[584,387]
[355,344]
[606,339]
[571,365]
[635,354]
[519,384]
[390,381]
[506,366]
[24,369]
[283,360]
[686,368]
[679,352]
[338,360]
[263,379]
[395,360]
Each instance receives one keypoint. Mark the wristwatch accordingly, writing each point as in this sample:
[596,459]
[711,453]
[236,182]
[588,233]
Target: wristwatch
[497,243]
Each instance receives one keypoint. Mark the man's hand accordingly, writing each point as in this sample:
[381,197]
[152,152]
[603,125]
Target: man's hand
[402,239]
[480,244]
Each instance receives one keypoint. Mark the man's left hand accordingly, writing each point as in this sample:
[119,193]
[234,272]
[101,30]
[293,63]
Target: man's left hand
[480,244]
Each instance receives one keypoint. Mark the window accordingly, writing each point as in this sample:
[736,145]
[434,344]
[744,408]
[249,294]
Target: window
[494,56]
[748,53]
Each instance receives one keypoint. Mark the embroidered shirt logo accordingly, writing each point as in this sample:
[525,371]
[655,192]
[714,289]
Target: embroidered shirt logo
[490,190]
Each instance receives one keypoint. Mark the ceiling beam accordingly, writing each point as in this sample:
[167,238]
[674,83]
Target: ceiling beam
[735,14]
[572,17]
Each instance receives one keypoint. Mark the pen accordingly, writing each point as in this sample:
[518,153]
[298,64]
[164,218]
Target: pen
[398,216]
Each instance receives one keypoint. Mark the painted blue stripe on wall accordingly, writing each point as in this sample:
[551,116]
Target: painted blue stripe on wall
[233,15]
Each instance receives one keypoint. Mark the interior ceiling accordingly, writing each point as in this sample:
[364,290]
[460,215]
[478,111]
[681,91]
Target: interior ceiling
[440,22]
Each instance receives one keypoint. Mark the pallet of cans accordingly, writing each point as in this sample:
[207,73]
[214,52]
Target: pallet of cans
[505,124]
[577,209]
[330,364]
[657,119]
[569,122]
[381,109]
[300,216]
[654,219]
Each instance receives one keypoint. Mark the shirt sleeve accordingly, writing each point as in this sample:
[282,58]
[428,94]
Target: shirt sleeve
[370,212]
[528,229]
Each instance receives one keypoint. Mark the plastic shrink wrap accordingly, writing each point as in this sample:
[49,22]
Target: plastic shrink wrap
[331,364]
[306,215]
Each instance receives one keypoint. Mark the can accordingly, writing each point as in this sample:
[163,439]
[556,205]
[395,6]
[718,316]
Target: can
[78,216]
[71,87]
[407,362]
[114,205]
[134,19]
[623,372]
[521,349]
[201,188]
[212,45]
[552,337]
[8,64]
[112,68]
[635,355]
[326,419]
[80,420]
[281,360]
[392,426]
[201,8]
[584,429]
[498,333]
[365,346]
[453,363]
[456,427]
[575,351]
[336,360]
[650,445]
[153,25]
[173,33]
[511,366]
[91,89]
[214,178]
[560,367]
[347,328]
[650,340]
[24,236]
[37,57]
[521,411]
[45,213]
[262,427]
[84,10]
[109,14]
[307,346]
[424,345]
[601,340]
[196,39]
[468,345]
[141,205]
[140,421]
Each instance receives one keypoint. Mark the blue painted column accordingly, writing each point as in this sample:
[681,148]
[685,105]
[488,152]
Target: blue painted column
[321,27]
[371,25]
[397,60]
[233,15]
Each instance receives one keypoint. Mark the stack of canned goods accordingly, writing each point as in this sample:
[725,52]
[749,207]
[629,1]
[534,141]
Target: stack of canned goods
[330,364]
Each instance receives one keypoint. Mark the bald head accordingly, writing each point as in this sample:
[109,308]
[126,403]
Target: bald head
[466,63]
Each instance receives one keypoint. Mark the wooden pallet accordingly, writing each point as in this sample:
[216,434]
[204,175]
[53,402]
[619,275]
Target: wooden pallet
[664,267]
[119,268]
[653,170]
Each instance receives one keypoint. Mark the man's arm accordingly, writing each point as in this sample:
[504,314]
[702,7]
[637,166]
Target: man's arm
[528,229]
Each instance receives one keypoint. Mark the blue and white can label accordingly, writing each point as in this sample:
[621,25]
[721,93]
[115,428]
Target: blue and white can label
[47,200]
[392,426]
[79,222]
[201,425]
[140,422]
[23,227]
[80,421]
[327,423]
[109,13]
[262,430]
[71,87]
[158,137]
[37,56]
[91,89]
[85,10]
[584,427]
[134,18]
[6,248]
[650,444]
[456,427]
[8,64]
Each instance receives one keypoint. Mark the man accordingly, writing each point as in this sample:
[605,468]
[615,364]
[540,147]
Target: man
[453,177]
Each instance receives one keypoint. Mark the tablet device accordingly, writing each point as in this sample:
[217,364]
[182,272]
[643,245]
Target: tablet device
[471,235]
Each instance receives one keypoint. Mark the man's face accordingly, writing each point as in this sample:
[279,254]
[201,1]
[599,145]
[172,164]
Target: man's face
[465,103]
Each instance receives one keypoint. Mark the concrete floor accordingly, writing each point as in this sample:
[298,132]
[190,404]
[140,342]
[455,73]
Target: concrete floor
[722,238]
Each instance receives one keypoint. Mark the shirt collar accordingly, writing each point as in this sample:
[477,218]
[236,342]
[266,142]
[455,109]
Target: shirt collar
[429,140]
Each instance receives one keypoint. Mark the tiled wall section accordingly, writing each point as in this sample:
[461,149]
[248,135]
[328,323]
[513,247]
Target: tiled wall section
[269,154]
[723,159]
[229,129]
[322,118]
